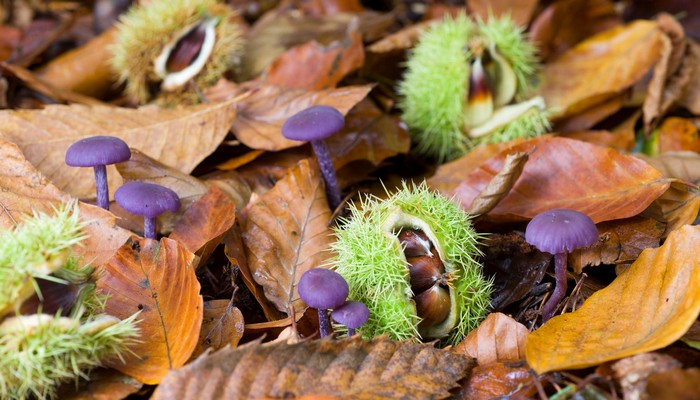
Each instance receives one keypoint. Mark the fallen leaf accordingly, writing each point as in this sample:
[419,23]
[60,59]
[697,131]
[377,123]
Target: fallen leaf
[348,368]
[592,115]
[636,313]
[620,242]
[620,141]
[403,39]
[648,9]
[499,338]
[330,7]
[690,87]
[565,173]
[315,66]
[9,40]
[204,223]
[499,380]
[520,11]
[684,165]
[85,70]
[631,373]
[678,134]
[157,279]
[448,176]
[180,138]
[600,67]
[565,23]
[285,233]
[222,326]
[500,185]
[675,383]
[103,384]
[26,190]
[677,206]
[261,115]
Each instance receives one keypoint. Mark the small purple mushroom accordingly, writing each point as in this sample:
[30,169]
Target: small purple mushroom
[313,125]
[352,314]
[148,200]
[98,152]
[323,289]
[560,232]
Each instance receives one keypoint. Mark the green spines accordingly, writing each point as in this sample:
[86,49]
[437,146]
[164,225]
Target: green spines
[435,87]
[370,258]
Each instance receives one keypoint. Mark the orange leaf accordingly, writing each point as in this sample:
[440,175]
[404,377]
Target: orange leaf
[261,115]
[499,380]
[353,368]
[157,279]
[601,67]
[566,173]
[315,66]
[285,233]
[180,138]
[647,307]
[498,338]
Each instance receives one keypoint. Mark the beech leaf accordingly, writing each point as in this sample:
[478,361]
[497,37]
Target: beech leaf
[180,138]
[498,338]
[157,279]
[647,307]
[566,173]
[222,326]
[500,185]
[353,368]
[285,233]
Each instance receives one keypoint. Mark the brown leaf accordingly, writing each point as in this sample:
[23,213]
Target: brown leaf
[285,233]
[26,190]
[261,115]
[520,11]
[180,138]
[448,176]
[620,242]
[636,313]
[631,373]
[592,115]
[498,380]
[104,384]
[349,368]
[499,338]
[621,141]
[565,23]
[684,165]
[316,66]
[403,39]
[500,185]
[222,326]
[690,87]
[565,173]
[678,206]
[85,70]
[601,67]
[675,383]
[157,279]
[204,223]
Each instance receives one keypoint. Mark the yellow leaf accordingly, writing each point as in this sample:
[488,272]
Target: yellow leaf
[647,307]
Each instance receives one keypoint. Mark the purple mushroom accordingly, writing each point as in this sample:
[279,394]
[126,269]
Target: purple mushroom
[560,232]
[313,125]
[323,289]
[352,314]
[148,200]
[98,152]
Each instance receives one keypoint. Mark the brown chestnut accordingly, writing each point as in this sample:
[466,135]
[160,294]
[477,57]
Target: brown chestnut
[433,306]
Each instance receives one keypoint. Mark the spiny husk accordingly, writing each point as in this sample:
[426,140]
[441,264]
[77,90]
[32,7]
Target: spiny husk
[39,351]
[144,32]
[372,262]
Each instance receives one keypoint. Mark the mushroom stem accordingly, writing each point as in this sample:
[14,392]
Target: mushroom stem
[324,323]
[351,332]
[101,186]
[149,227]
[328,171]
[559,289]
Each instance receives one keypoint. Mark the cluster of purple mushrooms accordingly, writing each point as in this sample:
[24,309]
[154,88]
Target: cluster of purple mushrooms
[558,231]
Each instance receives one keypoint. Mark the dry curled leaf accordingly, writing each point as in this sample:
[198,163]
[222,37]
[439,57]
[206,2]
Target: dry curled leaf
[677,206]
[499,338]
[379,368]
[683,165]
[631,373]
[103,384]
[676,383]
[566,173]
[180,138]
[600,67]
[285,233]
[499,380]
[500,185]
[157,279]
[638,312]
[222,326]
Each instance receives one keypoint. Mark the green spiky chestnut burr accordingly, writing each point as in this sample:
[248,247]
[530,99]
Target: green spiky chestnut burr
[169,49]
[466,83]
[378,248]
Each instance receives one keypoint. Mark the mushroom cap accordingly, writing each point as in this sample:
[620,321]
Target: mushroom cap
[561,230]
[352,314]
[313,123]
[322,288]
[146,199]
[97,150]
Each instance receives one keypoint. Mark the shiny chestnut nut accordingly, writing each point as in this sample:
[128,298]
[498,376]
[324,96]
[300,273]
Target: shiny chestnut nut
[415,243]
[424,271]
[433,306]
